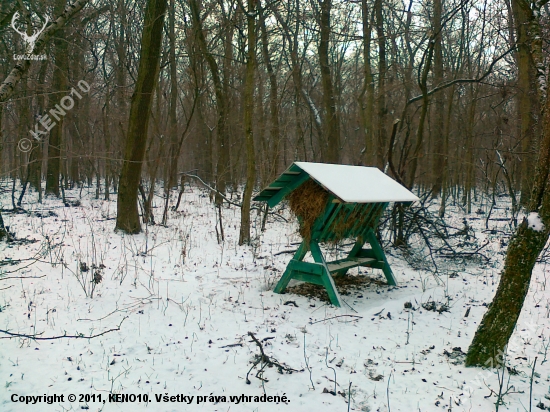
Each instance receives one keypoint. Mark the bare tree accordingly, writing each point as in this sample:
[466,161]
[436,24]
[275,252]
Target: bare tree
[497,325]
[151,40]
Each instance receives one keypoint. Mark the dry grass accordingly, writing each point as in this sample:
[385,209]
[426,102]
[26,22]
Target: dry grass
[307,202]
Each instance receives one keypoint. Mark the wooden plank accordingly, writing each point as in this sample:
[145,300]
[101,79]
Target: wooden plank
[365,209]
[381,257]
[328,223]
[319,224]
[307,267]
[287,276]
[307,277]
[367,253]
[337,265]
[277,197]
[328,282]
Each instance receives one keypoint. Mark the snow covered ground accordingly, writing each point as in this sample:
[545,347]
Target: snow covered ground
[184,306]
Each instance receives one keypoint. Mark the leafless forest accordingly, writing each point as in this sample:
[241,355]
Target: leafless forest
[135,98]
[326,81]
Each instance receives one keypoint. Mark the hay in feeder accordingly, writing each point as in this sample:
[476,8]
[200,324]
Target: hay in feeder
[307,203]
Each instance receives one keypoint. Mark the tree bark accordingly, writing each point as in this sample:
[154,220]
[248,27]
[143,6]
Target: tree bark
[275,129]
[136,140]
[382,135]
[528,105]
[367,94]
[439,104]
[244,236]
[60,82]
[221,100]
[332,123]
[491,338]
[172,113]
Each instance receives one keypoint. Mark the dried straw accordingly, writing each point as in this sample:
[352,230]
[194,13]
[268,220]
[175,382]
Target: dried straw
[307,202]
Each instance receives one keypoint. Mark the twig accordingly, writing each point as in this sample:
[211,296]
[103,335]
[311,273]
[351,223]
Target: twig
[21,277]
[267,360]
[212,189]
[79,336]
[388,392]
[334,317]
[334,370]
[284,251]
[307,363]
[531,385]
[232,345]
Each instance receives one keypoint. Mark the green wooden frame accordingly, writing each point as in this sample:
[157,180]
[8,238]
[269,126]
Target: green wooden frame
[333,225]
[320,272]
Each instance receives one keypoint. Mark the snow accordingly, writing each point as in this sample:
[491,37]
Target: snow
[185,305]
[534,222]
[357,184]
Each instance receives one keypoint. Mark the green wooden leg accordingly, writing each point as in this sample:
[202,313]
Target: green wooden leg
[381,256]
[287,276]
[327,280]
[352,253]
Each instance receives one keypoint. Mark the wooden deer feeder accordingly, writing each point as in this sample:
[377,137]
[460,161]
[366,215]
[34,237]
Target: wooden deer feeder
[334,202]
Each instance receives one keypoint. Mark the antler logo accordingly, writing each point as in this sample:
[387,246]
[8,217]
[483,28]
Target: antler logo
[29,40]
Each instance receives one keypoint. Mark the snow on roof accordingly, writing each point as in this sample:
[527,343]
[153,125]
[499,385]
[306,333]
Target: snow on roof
[357,184]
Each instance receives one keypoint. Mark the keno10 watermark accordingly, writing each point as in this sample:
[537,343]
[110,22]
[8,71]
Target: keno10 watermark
[45,122]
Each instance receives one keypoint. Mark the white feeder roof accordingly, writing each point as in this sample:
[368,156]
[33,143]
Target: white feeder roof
[357,184]
[350,184]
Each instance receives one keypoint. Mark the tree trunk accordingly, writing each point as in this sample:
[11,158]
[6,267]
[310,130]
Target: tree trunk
[368,87]
[331,130]
[497,325]
[527,99]
[221,104]
[173,112]
[147,77]
[275,129]
[439,104]
[3,231]
[381,101]
[60,74]
[248,117]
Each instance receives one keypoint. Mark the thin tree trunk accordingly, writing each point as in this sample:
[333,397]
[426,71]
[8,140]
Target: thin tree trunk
[275,129]
[172,113]
[367,94]
[439,104]
[244,236]
[381,100]
[60,75]
[331,130]
[221,103]
[151,42]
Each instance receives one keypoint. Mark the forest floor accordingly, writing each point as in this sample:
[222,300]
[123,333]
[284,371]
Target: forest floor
[172,312]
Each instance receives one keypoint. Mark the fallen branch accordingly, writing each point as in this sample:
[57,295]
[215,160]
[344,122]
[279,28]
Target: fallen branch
[79,336]
[334,317]
[22,277]
[285,251]
[266,361]
[212,189]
